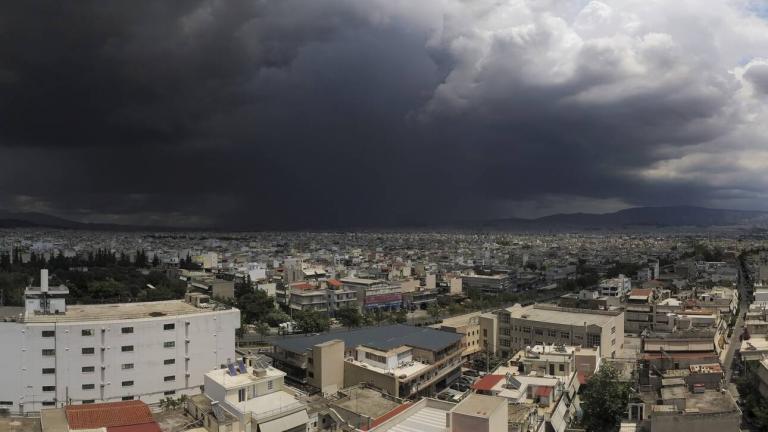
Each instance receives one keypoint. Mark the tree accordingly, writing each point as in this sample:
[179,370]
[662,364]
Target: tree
[262,328]
[276,318]
[349,317]
[155,261]
[433,310]
[312,321]
[255,305]
[604,400]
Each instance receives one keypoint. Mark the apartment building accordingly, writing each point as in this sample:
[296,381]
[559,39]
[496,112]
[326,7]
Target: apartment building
[615,287]
[306,296]
[487,284]
[467,325]
[401,360]
[249,400]
[64,354]
[544,324]
[375,293]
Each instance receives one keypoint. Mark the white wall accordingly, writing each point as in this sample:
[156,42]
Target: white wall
[211,338]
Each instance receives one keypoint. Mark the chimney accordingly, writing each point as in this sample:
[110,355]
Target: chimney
[44,280]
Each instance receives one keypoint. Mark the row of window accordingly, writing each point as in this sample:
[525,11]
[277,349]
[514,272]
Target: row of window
[129,383]
[91,350]
[91,369]
[89,332]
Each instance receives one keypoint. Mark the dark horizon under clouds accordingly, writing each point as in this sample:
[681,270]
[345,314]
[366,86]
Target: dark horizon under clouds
[298,114]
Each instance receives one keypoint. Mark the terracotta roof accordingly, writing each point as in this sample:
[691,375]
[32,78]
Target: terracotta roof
[334,282]
[487,382]
[641,292]
[543,391]
[303,286]
[92,416]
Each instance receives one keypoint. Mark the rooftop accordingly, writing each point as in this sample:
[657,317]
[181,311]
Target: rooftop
[110,415]
[223,378]
[382,338]
[564,316]
[367,402]
[121,311]
[478,405]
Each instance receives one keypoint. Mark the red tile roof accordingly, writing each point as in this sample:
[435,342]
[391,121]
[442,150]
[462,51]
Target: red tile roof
[112,414]
[641,292]
[303,286]
[334,282]
[487,382]
[144,427]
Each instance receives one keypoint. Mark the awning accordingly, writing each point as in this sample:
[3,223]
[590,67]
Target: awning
[285,423]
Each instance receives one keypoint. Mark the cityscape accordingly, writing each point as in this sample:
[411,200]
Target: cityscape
[384,216]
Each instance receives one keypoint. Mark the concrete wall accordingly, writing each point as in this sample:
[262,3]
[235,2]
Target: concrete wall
[328,366]
[354,374]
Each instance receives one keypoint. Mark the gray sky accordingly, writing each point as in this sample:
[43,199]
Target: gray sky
[301,114]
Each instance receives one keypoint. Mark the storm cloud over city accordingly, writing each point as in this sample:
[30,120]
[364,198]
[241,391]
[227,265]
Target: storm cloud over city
[339,113]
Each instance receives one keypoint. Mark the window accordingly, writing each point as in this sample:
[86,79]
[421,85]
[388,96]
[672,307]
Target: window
[169,326]
[48,371]
[127,330]
[505,331]
[538,332]
[49,388]
[86,332]
[485,332]
[311,374]
[169,361]
[562,368]
[6,403]
[375,357]
[593,340]
[613,341]
[49,352]
[169,344]
[126,366]
[49,403]
[88,401]
[552,333]
[169,392]
[241,395]
[565,335]
[270,385]
[88,351]
[525,329]
[126,348]
[88,369]
[125,398]
[127,383]
[169,378]
[89,386]
[613,329]
[49,333]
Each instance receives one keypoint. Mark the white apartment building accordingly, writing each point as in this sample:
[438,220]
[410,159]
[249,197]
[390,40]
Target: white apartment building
[615,287]
[59,354]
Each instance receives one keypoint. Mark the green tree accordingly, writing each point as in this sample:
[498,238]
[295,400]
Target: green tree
[434,310]
[262,328]
[275,318]
[349,317]
[604,400]
[312,321]
[255,305]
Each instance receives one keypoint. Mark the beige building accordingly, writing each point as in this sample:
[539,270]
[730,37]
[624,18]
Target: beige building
[467,325]
[545,324]
[401,360]
[479,413]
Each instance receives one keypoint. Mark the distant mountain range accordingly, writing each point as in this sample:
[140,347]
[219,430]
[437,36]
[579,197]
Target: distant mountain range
[637,217]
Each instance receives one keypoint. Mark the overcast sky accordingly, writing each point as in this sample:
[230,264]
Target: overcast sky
[310,113]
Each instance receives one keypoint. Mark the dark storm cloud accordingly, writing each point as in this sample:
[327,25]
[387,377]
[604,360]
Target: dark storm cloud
[275,114]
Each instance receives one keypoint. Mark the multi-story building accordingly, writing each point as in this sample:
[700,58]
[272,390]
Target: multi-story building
[487,284]
[467,325]
[544,324]
[375,293]
[64,354]
[615,287]
[252,400]
[401,360]
[308,297]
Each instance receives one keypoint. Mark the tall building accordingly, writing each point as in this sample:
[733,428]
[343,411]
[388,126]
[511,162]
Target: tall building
[543,324]
[487,284]
[615,287]
[64,354]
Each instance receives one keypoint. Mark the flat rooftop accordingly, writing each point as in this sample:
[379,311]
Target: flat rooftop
[383,338]
[120,311]
[367,402]
[223,378]
[477,405]
[563,316]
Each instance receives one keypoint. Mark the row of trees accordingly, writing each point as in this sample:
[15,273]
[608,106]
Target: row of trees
[13,262]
